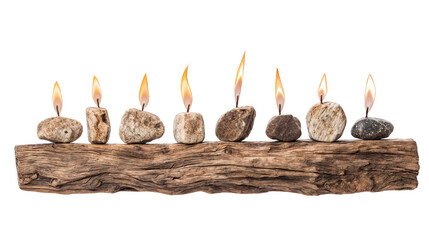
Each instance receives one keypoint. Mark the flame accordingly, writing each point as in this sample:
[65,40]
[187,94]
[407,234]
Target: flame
[186,90]
[323,88]
[96,91]
[144,93]
[369,93]
[239,79]
[280,93]
[57,98]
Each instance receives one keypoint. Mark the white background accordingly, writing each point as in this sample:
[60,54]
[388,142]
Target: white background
[46,41]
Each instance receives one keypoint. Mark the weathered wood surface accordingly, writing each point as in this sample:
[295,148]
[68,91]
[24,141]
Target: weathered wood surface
[305,167]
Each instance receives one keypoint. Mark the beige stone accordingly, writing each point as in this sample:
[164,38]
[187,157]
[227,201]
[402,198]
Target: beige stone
[188,128]
[139,126]
[98,123]
[326,122]
[59,130]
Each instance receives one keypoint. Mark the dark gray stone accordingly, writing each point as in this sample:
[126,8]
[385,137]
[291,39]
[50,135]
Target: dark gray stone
[236,124]
[372,129]
[285,128]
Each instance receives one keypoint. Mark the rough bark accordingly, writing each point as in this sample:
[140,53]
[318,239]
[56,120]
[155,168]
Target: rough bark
[305,167]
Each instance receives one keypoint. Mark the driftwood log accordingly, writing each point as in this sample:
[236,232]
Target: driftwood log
[305,167]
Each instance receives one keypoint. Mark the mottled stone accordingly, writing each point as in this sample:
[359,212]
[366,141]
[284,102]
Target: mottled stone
[236,124]
[59,130]
[139,126]
[189,128]
[326,122]
[372,129]
[285,128]
[98,123]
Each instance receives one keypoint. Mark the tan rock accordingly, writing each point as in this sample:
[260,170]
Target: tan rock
[98,123]
[285,128]
[189,128]
[326,122]
[59,130]
[236,124]
[139,126]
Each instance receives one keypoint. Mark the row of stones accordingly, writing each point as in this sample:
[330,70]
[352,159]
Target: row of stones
[325,122]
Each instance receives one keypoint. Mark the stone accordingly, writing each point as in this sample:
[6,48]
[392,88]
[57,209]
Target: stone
[326,122]
[285,128]
[139,126]
[98,123]
[236,124]
[188,128]
[59,130]
[372,129]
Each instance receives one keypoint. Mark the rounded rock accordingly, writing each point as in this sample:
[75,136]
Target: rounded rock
[236,124]
[285,128]
[326,122]
[372,129]
[138,126]
[188,128]
[59,130]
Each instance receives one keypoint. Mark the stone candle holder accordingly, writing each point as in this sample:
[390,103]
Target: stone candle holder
[284,128]
[139,126]
[59,130]
[98,125]
[236,124]
[188,128]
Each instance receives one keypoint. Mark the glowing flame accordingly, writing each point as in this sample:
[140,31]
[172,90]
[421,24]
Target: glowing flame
[369,94]
[239,80]
[57,98]
[186,90]
[96,91]
[323,88]
[144,93]
[280,93]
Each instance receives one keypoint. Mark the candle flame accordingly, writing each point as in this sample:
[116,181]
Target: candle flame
[280,93]
[144,93]
[239,80]
[369,94]
[186,90]
[96,91]
[57,98]
[323,88]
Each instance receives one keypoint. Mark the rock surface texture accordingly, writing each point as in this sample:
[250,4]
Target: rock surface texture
[285,128]
[372,129]
[98,125]
[326,122]
[138,126]
[236,124]
[189,128]
[59,130]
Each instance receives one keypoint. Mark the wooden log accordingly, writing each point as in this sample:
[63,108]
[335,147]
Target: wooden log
[305,167]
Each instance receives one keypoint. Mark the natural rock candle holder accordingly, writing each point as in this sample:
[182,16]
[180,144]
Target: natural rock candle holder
[236,124]
[285,128]
[139,126]
[371,128]
[97,118]
[59,129]
[326,120]
[188,127]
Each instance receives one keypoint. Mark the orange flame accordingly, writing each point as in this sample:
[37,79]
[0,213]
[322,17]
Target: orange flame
[186,90]
[96,91]
[239,80]
[280,93]
[323,88]
[57,98]
[144,93]
[369,94]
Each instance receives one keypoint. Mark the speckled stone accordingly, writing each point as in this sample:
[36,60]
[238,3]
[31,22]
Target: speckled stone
[326,122]
[59,130]
[98,123]
[236,124]
[139,126]
[285,128]
[372,129]
[188,128]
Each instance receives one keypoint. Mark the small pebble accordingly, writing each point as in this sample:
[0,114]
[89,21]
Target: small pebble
[372,129]
[236,124]
[59,130]
[98,125]
[188,128]
[285,128]
[139,126]
[326,122]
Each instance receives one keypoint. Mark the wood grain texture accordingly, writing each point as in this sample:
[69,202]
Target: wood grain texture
[306,167]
